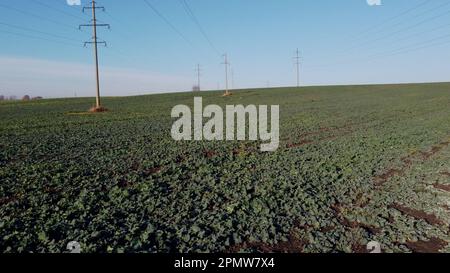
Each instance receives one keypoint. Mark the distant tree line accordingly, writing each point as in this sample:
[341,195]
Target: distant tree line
[24,98]
[2,97]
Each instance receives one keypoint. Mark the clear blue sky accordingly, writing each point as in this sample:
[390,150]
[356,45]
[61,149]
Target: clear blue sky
[341,42]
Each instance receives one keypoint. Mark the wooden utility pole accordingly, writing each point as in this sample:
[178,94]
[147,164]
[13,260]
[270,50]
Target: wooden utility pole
[226,63]
[198,77]
[297,62]
[95,43]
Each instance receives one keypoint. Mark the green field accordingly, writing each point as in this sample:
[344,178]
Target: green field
[355,164]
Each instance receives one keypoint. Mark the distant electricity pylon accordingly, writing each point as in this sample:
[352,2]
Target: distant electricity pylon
[297,63]
[232,78]
[95,42]
[198,70]
[227,64]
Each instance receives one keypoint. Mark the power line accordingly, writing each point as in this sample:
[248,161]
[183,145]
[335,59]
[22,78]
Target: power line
[409,49]
[417,24]
[38,31]
[121,54]
[419,48]
[113,50]
[36,38]
[191,14]
[58,10]
[402,50]
[439,7]
[113,17]
[412,46]
[167,22]
[37,16]
[368,30]
[371,41]
[64,4]
[423,32]
[126,36]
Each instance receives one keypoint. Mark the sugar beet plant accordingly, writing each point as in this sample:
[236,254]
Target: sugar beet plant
[355,164]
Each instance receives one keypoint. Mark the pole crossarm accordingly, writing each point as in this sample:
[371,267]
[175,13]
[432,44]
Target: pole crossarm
[95,25]
[98,43]
[102,8]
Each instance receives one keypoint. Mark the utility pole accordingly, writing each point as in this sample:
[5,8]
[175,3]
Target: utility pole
[226,63]
[297,62]
[232,78]
[198,69]
[95,44]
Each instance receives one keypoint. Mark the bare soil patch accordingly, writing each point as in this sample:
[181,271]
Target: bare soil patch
[434,245]
[98,110]
[442,187]
[152,171]
[293,245]
[337,210]
[301,143]
[407,161]
[434,150]
[383,178]
[8,199]
[418,214]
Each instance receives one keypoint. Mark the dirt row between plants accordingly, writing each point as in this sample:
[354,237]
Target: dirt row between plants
[408,161]
[346,129]
[433,244]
